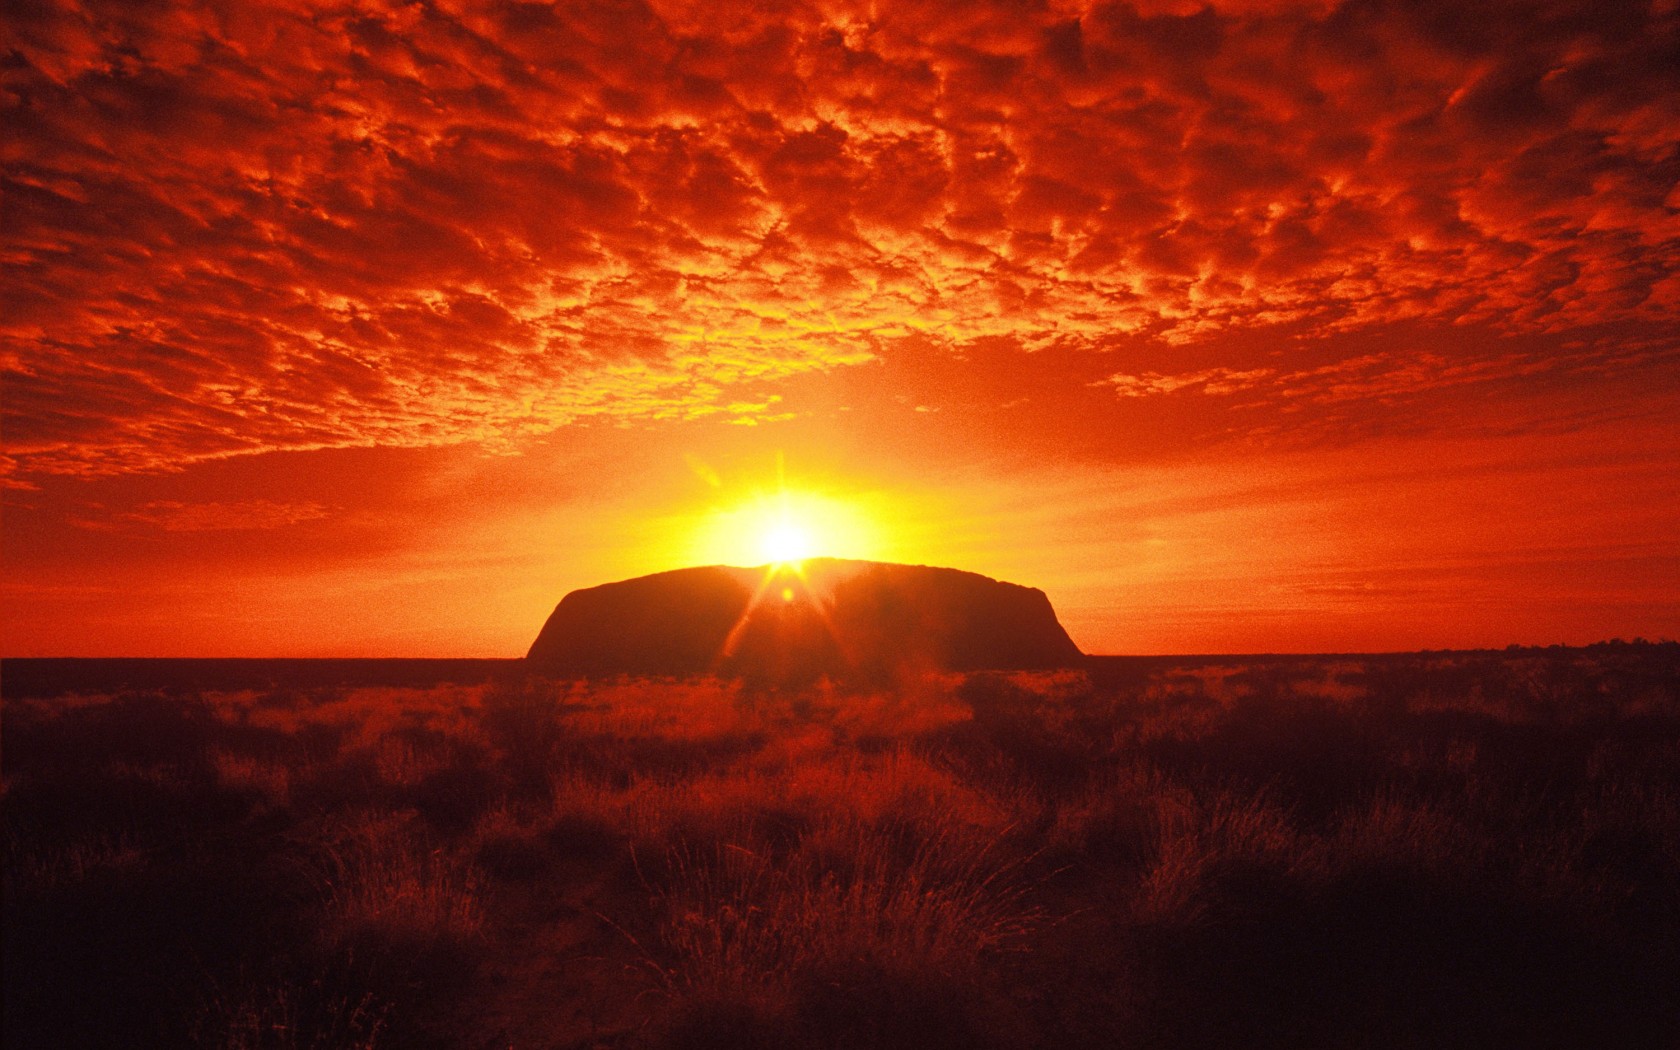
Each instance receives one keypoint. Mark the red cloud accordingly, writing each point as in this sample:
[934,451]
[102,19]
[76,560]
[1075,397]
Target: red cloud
[252,227]
[175,516]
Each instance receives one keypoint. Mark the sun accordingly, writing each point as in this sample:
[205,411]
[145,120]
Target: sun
[786,527]
[784,540]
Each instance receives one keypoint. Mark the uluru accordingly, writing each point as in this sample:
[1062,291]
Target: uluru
[825,617]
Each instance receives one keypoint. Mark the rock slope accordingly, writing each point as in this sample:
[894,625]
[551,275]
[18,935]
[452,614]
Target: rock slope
[825,618]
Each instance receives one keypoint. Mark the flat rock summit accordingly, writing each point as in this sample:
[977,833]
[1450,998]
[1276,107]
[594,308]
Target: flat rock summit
[826,617]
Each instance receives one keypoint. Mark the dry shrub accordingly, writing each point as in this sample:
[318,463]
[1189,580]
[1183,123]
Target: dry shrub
[289,1015]
[1223,683]
[1392,829]
[920,706]
[798,746]
[721,807]
[695,711]
[1118,819]
[758,804]
[507,844]
[402,763]
[365,716]
[384,878]
[1617,862]
[60,866]
[1389,852]
[840,902]
[269,779]
[901,785]
[889,944]
[1331,683]
[1202,841]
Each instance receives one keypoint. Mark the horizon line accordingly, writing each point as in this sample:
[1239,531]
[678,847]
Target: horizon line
[1198,655]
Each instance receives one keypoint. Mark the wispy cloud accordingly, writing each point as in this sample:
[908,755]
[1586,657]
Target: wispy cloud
[1207,381]
[176,516]
[1385,378]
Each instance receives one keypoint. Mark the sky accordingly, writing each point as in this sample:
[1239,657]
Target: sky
[363,329]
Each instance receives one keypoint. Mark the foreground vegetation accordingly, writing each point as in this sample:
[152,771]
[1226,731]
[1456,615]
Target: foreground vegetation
[1433,850]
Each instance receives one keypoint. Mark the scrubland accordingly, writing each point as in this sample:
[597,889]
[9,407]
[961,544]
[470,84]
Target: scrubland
[1430,850]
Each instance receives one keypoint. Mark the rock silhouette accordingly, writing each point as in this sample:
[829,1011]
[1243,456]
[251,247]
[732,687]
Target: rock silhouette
[845,620]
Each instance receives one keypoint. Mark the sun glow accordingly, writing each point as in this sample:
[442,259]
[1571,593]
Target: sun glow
[784,528]
[785,541]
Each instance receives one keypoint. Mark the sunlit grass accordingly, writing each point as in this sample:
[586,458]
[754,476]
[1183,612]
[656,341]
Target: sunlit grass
[1184,857]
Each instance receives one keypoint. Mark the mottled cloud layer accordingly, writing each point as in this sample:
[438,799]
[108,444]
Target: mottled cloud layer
[232,228]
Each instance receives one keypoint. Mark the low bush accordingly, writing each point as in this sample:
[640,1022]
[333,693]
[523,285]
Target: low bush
[1429,850]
